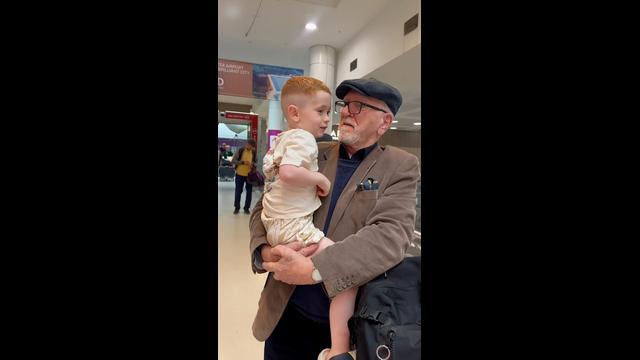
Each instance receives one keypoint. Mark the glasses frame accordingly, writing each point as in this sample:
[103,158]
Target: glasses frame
[343,103]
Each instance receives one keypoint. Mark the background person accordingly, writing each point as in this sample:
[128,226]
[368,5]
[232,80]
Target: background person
[244,160]
[224,155]
[324,137]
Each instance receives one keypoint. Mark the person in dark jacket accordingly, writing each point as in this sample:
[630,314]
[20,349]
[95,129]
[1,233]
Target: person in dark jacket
[224,153]
[244,161]
[324,137]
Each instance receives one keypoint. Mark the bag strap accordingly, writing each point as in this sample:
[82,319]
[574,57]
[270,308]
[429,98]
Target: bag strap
[374,315]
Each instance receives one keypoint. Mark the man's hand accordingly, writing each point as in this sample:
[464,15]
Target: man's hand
[268,254]
[292,267]
[324,186]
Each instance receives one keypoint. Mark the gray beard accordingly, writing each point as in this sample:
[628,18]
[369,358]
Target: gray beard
[348,139]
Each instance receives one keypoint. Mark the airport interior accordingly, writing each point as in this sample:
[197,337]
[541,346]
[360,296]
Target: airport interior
[261,43]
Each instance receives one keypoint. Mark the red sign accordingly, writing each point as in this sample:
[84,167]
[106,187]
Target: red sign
[252,118]
[235,78]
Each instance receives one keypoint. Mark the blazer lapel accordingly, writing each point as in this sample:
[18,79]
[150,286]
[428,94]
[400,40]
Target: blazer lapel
[350,189]
[327,165]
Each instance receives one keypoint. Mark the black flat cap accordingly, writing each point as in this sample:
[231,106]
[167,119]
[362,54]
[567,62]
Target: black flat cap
[373,88]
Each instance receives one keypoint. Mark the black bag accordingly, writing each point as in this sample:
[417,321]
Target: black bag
[386,323]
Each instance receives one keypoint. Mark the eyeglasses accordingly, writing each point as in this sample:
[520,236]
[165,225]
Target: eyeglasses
[354,107]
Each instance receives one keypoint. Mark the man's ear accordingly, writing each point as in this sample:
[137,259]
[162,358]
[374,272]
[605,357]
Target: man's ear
[293,113]
[386,123]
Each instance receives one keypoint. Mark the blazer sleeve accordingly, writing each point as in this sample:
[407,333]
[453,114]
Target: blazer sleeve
[382,242]
[257,233]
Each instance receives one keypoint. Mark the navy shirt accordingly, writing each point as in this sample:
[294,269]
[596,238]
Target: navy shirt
[311,300]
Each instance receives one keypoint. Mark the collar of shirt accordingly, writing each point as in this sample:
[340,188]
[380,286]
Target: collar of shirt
[359,155]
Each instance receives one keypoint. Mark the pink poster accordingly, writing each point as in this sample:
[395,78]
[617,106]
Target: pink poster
[272,134]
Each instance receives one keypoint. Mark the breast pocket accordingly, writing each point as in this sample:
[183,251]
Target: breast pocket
[366,195]
[361,206]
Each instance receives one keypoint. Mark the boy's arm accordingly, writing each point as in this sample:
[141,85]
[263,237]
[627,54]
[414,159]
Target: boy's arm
[299,176]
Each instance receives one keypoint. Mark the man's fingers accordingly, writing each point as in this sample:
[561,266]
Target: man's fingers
[279,251]
[270,266]
[309,250]
[295,246]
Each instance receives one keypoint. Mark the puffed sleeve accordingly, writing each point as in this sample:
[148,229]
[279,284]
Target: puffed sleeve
[299,149]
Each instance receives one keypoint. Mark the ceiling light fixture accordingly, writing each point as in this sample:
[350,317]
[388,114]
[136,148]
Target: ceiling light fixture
[310,26]
[393,128]
[417,124]
[394,121]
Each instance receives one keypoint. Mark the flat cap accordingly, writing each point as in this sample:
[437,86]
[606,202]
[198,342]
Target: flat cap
[373,88]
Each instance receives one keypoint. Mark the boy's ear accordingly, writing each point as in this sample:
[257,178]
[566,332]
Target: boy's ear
[293,113]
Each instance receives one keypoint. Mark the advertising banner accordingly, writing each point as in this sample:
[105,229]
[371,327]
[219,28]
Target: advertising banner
[268,80]
[236,78]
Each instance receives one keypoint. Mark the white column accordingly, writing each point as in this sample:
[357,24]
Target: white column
[275,121]
[322,67]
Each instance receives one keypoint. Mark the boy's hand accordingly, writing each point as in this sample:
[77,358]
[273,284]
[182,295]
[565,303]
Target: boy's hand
[324,186]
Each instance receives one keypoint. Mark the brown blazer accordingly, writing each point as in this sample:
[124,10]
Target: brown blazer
[371,228]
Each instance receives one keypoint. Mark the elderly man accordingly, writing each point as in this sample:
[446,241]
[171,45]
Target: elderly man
[369,213]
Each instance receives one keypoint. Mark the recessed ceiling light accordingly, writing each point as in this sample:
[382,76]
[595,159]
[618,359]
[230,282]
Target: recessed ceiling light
[394,121]
[418,124]
[393,128]
[310,26]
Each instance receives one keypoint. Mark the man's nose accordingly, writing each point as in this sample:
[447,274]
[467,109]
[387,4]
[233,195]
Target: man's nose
[344,112]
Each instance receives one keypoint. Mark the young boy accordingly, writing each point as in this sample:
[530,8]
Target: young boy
[293,185]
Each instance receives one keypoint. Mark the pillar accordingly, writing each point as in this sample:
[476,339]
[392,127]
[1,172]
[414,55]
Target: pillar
[322,67]
[275,120]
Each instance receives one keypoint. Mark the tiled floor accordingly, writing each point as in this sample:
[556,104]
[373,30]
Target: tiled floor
[238,287]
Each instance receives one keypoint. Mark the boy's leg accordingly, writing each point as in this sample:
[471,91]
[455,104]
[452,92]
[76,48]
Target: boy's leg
[340,311]
[306,232]
[324,243]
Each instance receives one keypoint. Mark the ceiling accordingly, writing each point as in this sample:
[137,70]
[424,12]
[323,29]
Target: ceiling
[408,83]
[281,23]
